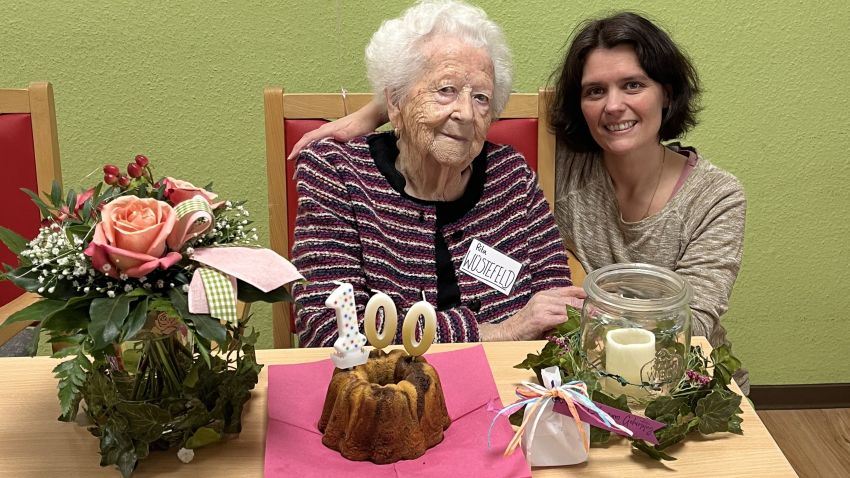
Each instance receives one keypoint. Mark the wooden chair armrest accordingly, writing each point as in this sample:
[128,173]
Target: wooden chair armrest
[19,303]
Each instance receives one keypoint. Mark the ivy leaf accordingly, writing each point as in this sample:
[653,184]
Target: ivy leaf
[599,436]
[35,312]
[72,377]
[666,406]
[206,326]
[202,437]
[107,319]
[116,448]
[651,451]
[734,425]
[145,421]
[136,320]
[715,409]
[725,364]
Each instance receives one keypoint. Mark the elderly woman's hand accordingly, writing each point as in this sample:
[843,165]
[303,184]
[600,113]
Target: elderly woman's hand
[363,121]
[544,311]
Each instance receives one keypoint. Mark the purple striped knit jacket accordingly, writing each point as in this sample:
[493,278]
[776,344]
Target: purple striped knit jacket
[353,226]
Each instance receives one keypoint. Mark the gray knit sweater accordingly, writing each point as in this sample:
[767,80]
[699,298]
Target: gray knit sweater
[699,233]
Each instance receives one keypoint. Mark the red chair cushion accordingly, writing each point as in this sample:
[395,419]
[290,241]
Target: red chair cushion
[18,213]
[521,133]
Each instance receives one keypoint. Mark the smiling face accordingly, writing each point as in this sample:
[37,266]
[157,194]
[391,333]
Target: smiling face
[446,115]
[621,104]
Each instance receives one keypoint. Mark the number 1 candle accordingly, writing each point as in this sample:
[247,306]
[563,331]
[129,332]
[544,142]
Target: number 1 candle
[349,346]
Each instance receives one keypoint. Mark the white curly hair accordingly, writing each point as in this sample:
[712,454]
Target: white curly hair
[394,59]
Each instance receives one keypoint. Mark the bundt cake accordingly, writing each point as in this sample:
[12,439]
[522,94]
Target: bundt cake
[391,408]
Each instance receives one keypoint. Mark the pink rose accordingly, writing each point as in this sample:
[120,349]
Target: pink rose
[131,237]
[178,191]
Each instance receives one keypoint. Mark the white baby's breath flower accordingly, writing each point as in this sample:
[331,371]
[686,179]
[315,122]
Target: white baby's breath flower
[40,290]
[50,290]
[110,293]
[123,276]
[185,287]
[228,204]
[128,288]
[160,284]
[106,268]
[86,289]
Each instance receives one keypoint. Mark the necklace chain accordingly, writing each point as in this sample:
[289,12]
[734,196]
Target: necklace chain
[657,182]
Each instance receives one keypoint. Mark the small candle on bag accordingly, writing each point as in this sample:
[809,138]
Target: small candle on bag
[349,350]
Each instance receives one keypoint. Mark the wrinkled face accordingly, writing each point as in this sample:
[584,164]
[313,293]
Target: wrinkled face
[446,114]
[620,102]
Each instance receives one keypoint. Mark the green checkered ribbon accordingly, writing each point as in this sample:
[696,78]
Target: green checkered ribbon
[220,295]
[194,217]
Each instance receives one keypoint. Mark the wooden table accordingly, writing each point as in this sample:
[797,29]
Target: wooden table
[33,443]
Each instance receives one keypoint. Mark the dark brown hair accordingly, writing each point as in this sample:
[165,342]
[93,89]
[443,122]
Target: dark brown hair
[659,57]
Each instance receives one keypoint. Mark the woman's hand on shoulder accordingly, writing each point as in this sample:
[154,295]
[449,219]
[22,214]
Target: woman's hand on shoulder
[362,121]
[544,311]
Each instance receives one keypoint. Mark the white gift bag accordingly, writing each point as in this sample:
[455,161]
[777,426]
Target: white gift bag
[551,438]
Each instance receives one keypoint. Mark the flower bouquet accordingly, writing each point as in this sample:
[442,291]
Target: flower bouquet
[138,282]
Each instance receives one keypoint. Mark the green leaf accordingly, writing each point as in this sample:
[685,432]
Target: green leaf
[42,207]
[725,364]
[651,451]
[116,447]
[202,437]
[715,410]
[24,277]
[136,320]
[56,194]
[145,421]
[32,346]
[15,242]
[599,436]
[35,312]
[206,326]
[107,319]
[734,425]
[666,406]
[248,293]
[72,377]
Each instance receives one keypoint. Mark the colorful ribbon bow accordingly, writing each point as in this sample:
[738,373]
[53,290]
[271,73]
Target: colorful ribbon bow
[574,394]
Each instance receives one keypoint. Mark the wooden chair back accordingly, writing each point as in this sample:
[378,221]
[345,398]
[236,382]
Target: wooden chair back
[288,116]
[29,156]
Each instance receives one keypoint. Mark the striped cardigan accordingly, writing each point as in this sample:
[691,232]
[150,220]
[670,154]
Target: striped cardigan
[354,226]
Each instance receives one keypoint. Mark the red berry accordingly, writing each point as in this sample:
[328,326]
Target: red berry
[110,179]
[134,170]
[111,169]
[123,181]
[142,160]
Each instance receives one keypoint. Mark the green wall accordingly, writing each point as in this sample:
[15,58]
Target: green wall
[182,82]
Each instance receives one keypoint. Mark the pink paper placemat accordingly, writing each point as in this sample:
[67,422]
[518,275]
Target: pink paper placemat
[294,447]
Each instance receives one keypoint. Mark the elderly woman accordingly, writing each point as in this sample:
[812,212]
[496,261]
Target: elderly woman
[397,212]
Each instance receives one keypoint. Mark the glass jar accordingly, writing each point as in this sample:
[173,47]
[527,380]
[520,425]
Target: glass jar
[636,329]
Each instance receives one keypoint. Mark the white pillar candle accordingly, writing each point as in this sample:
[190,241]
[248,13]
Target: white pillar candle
[626,352]
[429,329]
[370,325]
[349,346]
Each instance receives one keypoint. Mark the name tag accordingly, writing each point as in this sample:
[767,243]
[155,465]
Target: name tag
[490,267]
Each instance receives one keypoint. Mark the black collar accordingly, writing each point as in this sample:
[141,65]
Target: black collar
[384,151]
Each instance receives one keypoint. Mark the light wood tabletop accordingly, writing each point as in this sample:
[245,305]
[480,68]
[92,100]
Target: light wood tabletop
[34,444]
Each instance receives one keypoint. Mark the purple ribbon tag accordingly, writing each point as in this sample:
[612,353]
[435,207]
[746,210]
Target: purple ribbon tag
[642,427]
